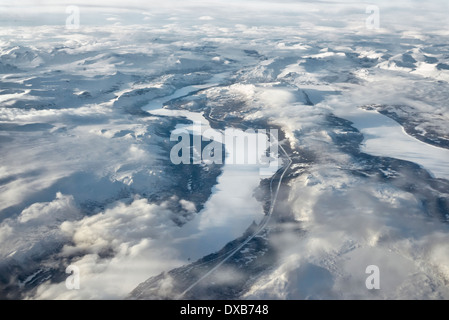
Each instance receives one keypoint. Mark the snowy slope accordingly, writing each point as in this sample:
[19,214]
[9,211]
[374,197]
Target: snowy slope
[86,179]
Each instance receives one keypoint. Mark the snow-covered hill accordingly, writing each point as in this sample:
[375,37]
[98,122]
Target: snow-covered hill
[86,178]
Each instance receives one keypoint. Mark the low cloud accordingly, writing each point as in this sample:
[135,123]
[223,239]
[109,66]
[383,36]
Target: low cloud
[114,250]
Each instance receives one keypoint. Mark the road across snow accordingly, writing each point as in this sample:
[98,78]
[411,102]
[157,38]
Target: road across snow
[261,227]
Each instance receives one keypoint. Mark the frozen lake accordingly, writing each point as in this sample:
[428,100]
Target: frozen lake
[385,137]
[231,208]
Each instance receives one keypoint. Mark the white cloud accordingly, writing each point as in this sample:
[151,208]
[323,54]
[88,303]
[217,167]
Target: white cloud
[136,235]
[37,225]
[92,144]
[188,205]
[61,209]
[206,18]
[348,226]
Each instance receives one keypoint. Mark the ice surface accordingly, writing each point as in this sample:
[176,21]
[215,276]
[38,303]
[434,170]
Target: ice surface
[86,116]
[385,137]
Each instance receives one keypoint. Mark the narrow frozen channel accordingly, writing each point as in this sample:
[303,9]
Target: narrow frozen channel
[183,91]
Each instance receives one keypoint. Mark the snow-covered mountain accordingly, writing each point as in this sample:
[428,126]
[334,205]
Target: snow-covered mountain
[86,179]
